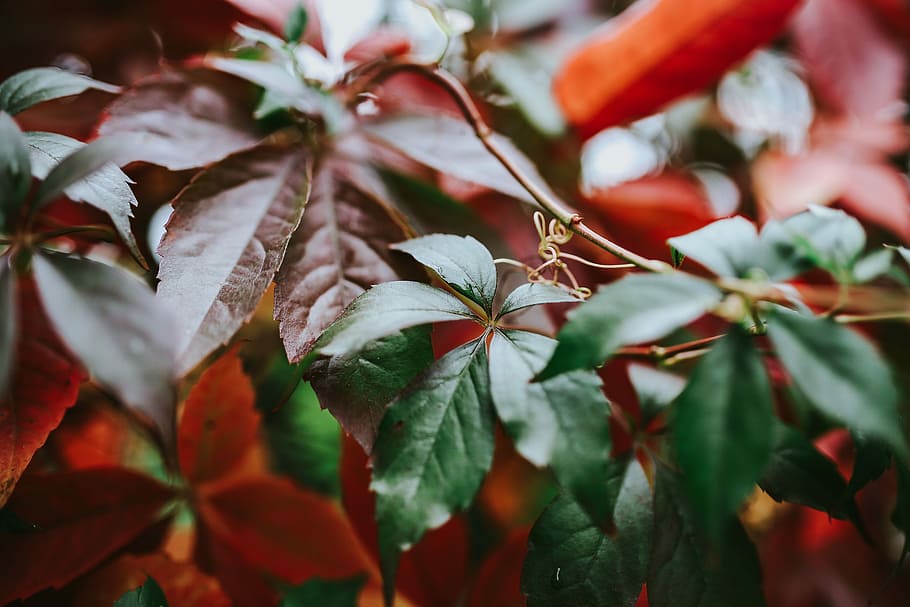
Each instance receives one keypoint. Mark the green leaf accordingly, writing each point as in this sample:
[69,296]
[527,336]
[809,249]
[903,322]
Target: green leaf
[31,87]
[904,252]
[560,422]
[901,515]
[15,170]
[226,239]
[118,329]
[303,439]
[462,262]
[149,594]
[722,428]
[655,389]
[798,473]
[9,326]
[534,294]
[828,238]
[726,247]
[358,387]
[872,460]
[85,161]
[636,309]
[450,145]
[325,593]
[873,265]
[435,446]
[387,309]
[683,571]
[840,373]
[296,23]
[571,561]
[108,189]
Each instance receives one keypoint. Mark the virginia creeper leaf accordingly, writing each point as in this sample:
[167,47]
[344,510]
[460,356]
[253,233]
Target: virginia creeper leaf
[285,88]
[9,324]
[340,593]
[340,250]
[358,387]
[15,170]
[434,447]
[226,239]
[107,189]
[571,561]
[636,309]
[683,571]
[84,162]
[560,422]
[722,428]
[450,146]
[116,327]
[187,119]
[798,473]
[828,238]
[80,519]
[658,51]
[149,594]
[873,265]
[278,528]
[304,440]
[44,384]
[296,24]
[31,87]
[462,262]
[872,460]
[534,294]
[387,309]
[726,247]
[840,373]
[219,422]
[656,389]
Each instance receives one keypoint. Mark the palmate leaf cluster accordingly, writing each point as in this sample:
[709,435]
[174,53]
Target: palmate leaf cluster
[283,200]
[435,442]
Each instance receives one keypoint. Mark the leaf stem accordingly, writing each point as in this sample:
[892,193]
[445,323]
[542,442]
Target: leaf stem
[662,353]
[566,215]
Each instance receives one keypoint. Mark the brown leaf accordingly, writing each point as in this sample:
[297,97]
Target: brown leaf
[219,422]
[44,385]
[864,72]
[80,518]
[226,239]
[340,250]
[282,530]
[189,119]
[658,51]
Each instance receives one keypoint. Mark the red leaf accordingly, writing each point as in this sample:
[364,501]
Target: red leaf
[862,74]
[651,210]
[44,385]
[81,518]
[284,531]
[658,51]
[498,583]
[219,422]
[786,185]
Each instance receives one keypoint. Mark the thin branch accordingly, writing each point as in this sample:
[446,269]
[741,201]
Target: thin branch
[846,319]
[661,353]
[567,216]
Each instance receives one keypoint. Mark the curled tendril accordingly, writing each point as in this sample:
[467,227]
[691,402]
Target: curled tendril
[552,235]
